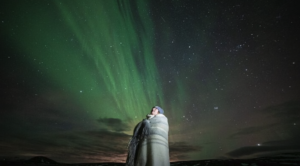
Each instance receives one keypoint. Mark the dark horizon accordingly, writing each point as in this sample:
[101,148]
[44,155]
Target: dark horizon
[278,159]
[77,76]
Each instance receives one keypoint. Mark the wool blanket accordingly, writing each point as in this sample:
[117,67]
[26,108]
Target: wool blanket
[149,144]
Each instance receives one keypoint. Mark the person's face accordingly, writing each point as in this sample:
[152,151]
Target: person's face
[154,111]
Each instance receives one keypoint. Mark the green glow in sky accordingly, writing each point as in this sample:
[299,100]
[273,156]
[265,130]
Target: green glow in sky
[102,53]
[120,56]
[77,76]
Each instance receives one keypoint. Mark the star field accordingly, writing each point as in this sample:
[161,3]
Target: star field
[77,76]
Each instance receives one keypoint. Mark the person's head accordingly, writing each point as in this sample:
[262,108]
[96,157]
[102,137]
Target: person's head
[157,110]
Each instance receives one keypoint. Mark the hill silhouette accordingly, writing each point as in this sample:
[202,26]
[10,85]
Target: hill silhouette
[41,160]
[286,159]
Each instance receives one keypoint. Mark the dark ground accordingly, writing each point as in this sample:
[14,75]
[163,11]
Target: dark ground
[287,159]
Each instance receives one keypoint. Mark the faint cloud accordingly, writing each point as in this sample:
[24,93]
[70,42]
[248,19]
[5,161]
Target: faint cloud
[286,111]
[254,151]
[113,124]
[287,116]
[252,130]
[180,150]
[246,131]
[72,147]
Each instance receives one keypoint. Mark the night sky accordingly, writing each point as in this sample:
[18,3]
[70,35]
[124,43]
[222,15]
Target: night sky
[77,76]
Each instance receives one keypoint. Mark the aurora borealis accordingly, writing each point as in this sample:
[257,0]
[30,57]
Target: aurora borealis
[77,76]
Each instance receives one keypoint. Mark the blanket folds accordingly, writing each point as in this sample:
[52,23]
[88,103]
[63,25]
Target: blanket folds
[149,143]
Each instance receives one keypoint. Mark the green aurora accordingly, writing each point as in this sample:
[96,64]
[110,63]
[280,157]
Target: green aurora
[101,52]
[79,75]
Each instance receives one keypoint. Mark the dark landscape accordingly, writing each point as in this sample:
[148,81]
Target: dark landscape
[287,159]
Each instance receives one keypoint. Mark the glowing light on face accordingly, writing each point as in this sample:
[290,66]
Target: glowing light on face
[154,111]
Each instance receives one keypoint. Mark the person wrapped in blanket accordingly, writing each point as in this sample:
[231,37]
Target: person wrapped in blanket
[149,144]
